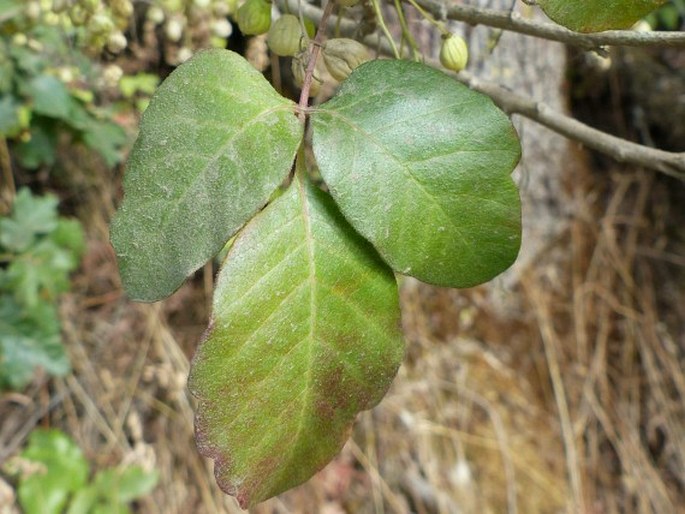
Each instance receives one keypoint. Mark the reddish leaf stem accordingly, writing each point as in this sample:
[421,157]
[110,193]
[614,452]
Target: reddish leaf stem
[314,48]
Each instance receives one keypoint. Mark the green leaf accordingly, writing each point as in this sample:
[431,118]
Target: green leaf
[31,216]
[215,142]
[9,121]
[102,135]
[305,333]
[598,15]
[68,234]
[145,83]
[50,96]
[420,166]
[106,138]
[65,471]
[41,273]
[134,482]
[123,485]
[29,339]
[40,149]
[83,501]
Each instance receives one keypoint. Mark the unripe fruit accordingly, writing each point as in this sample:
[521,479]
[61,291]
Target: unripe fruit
[254,17]
[155,15]
[111,75]
[101,24]
[342,56]
[285,36]
[222,28]
[33,11]
[35,45]
[90,5]
[184,54]
[116,42]
[19,39]
[174,30]
[454,53]
[59,6]
[51,18]
[299,69]
[78,16]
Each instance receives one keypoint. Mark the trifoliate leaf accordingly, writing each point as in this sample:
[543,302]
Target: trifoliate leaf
[420,166]
[305,333]
[214,144]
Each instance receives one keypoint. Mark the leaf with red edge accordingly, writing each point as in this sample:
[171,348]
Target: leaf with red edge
[305,333]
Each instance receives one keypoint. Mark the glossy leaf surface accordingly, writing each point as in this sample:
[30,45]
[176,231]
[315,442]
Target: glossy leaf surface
[305,333]
[598,15]
[420,165]
[214,143]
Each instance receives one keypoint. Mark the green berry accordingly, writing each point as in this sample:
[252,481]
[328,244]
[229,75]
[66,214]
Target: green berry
[254,17]
[454,53]
[285,36]
[342,56]
[299,68]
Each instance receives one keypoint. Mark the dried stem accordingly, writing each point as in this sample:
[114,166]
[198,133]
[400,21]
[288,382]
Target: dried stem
[515,23]
[8,189]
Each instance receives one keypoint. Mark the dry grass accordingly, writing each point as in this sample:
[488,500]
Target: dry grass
[573,403]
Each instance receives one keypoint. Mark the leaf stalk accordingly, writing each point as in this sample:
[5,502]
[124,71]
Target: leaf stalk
[314,49]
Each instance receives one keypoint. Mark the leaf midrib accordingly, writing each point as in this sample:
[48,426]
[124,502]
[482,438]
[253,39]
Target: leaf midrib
[306,216]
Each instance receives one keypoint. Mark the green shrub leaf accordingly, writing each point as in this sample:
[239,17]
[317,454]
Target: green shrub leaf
[214,143]
[64,472]
[31,216]
[29,339]
[135,482]
[598,15]
[50,96]
[305,333]
[420,165]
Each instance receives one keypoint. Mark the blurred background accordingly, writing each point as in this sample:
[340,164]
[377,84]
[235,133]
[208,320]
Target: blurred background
[557,388]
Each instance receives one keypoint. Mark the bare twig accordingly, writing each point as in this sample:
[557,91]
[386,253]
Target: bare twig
[516,23]
[8,189]
[669,163]
[314,48]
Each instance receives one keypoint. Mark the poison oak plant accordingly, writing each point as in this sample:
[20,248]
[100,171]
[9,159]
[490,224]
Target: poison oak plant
[305,330]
